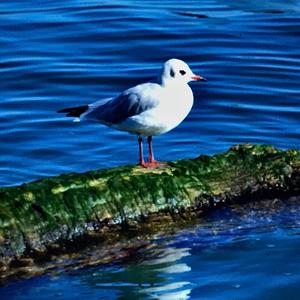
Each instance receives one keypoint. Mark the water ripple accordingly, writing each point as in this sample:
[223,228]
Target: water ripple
[62,53]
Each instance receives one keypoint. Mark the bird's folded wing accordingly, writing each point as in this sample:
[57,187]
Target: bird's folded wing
[130,103]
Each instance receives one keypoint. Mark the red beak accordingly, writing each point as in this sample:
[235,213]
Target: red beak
[198,78]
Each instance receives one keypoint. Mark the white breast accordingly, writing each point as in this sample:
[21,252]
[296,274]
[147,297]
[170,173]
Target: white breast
[174,105]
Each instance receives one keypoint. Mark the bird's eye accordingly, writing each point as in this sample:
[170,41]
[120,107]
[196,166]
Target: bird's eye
[182,72]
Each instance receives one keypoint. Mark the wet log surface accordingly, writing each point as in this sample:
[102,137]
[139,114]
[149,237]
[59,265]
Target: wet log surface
[61,214]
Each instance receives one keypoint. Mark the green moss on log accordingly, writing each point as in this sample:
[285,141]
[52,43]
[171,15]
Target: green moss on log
[35,215]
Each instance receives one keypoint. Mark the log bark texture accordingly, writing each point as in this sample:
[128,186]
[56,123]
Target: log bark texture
[53,210]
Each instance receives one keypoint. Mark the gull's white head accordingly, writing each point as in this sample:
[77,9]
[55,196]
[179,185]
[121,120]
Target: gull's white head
[176,71]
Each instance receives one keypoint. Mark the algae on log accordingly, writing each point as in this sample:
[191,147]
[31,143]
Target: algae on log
[36,215]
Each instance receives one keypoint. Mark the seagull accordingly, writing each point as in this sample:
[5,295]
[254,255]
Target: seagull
[147,109]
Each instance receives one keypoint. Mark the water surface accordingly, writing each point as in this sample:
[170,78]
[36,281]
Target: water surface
[56,54]
[241,252]
[67,53]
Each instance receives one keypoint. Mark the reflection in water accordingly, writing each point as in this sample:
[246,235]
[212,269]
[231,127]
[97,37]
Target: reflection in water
[230,249]
[70,52]
[156,278]
[229,252]
[169,291]
[169,262]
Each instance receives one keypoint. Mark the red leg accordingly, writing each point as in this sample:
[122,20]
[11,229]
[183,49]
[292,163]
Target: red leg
[141,156]
[152,160]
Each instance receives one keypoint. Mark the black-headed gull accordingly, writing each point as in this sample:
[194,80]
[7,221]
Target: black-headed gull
[147,109]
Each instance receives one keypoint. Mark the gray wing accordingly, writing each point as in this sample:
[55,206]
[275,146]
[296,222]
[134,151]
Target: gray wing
[130,103]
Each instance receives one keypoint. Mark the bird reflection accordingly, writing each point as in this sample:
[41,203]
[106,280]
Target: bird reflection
[156,277]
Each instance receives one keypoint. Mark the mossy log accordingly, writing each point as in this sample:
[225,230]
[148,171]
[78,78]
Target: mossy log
[53,210]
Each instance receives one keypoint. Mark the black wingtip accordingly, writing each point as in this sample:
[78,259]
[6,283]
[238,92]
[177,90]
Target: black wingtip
[65,110]
[74,111]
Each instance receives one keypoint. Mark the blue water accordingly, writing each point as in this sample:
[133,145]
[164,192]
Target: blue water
[56,54]
[242,252]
